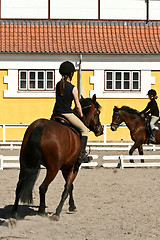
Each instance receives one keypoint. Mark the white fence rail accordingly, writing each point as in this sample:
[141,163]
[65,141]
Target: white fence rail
[13,162]
[115,146]
[121,161]
[109,146]
[113,161]
[92,145]
[5,126]
[9,162]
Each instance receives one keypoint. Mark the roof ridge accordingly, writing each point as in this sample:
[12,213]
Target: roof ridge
[83,22]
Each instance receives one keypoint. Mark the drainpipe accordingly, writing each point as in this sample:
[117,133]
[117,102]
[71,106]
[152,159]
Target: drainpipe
[79,82]
[147,20]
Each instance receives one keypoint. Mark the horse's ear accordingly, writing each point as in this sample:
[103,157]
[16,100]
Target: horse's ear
[82,97]
[94,98]
[115,109]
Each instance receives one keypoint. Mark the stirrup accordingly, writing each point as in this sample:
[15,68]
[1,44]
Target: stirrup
[90,158]
[83,158]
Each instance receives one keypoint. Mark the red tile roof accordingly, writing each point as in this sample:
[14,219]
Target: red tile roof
[91,37]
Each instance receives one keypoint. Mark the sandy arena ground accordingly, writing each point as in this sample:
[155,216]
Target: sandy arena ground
[112,204]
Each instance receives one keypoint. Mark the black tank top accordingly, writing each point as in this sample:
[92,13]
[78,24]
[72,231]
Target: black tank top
[63,103]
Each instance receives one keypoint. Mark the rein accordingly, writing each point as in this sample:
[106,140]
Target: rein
[87,106]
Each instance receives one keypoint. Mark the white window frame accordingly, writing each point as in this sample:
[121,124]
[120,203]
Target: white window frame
[36,87]
[122,81]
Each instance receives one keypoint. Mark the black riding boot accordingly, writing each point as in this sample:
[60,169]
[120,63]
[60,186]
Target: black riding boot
[153,136]
[83,158]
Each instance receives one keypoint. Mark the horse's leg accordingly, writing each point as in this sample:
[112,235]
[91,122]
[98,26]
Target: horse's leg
[15,207]
[135,145]
[72,206]
[18,190]
[65,193]
[43,189]
[68,188]
[140,150]
[14,215]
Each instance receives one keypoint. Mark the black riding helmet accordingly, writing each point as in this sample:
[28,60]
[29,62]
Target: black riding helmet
[152,92]
[66,68]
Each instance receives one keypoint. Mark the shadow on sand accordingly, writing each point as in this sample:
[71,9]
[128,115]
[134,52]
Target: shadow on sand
[23,211]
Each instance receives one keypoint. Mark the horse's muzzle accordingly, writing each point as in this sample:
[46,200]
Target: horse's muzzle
[99,130]
[113,127]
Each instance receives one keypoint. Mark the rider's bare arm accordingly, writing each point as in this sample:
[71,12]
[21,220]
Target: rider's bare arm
[77,103]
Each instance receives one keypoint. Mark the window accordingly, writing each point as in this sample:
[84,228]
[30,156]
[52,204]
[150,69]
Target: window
[36,80]
[122,80]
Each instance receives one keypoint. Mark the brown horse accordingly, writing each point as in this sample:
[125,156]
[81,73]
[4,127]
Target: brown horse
[136,125]
[56,147]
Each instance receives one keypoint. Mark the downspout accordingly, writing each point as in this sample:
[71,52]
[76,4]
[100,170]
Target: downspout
[147,20]
[79,82]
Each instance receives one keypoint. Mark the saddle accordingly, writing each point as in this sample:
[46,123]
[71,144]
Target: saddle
[64,121]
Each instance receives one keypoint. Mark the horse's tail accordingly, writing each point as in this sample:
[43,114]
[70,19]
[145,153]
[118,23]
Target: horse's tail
[30,165]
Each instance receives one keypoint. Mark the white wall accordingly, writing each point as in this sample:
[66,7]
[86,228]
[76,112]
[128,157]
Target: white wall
[74,9]
[98,81]
[24,8]
[123,9]
[129,9]
[144,64]
[154,13]
[80,9]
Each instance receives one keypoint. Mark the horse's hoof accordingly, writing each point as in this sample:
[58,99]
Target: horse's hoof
[131,161]
[72,209]
[42,214]
[54,217]
[12,222]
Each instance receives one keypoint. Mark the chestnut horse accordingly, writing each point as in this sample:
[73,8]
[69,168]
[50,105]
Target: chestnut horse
[56,147]
[136,125]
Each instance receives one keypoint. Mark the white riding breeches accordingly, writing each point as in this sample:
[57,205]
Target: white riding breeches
[154,119]
[77,123]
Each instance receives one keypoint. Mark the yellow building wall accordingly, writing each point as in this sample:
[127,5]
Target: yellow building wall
[25,111]
[123,134]
[21,111]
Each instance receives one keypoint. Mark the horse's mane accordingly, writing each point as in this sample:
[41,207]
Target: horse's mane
[86,104]
[130,110]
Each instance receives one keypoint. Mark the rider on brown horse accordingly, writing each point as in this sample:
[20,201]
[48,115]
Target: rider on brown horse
[152,108]
[65,94]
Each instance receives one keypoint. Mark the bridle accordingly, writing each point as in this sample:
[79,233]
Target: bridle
[121,120]
[95,114]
